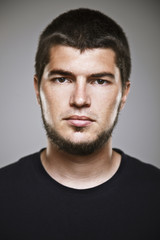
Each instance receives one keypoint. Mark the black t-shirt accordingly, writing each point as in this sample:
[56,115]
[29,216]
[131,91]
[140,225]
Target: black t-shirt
[35,206]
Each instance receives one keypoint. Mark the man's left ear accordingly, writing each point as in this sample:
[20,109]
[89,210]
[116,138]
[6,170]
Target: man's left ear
[125,93]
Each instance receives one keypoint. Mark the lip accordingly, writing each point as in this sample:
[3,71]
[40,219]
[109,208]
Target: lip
[79,121]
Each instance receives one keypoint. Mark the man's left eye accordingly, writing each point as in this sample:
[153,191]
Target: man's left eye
[61,80]
[101,81]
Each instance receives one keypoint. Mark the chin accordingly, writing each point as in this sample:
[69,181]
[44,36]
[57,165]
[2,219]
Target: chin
[79,143]
[80,137]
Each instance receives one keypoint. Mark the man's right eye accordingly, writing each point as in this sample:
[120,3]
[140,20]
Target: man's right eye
[60,80]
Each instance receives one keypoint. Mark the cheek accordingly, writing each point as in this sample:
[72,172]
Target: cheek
[48,104]
[108,100]
[115,103]
[108,106]
[53,104]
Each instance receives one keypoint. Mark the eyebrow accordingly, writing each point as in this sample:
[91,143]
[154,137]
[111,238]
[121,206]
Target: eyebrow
[70,74]
[60,72]
[103,74]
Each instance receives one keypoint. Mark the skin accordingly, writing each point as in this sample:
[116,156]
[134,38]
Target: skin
[81,91]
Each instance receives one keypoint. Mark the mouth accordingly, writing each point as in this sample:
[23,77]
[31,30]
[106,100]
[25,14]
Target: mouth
[79,121]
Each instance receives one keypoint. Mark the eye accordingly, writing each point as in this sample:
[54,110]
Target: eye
[101,81]
[61,80]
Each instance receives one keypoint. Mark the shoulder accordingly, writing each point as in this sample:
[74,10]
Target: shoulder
[139,167]
[136,165]
[143,177]
[135,172]
[18,169]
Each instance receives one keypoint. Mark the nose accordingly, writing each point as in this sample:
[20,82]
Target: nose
[79,97]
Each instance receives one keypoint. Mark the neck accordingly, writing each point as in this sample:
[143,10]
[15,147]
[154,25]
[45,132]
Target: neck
[81,172]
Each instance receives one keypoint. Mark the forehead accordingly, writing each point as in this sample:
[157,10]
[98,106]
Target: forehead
[69,57]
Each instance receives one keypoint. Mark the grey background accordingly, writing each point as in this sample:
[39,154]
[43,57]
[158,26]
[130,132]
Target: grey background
[21,131]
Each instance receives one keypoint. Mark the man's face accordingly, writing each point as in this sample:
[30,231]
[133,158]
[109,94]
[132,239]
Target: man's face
[80,94]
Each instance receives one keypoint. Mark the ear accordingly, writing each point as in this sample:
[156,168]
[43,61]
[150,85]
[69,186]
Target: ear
[36,88]
[125,94]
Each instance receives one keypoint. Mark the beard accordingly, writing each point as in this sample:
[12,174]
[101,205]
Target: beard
[83,148]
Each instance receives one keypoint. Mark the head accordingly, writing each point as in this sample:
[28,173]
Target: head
[81,82]
[84,29]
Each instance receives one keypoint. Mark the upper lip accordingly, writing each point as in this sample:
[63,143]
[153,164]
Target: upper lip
[77,117]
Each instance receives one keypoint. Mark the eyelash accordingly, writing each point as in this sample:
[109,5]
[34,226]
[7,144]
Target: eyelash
[95,81]
[59,79]
[101,81]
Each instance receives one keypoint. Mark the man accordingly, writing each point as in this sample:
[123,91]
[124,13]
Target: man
[78,187]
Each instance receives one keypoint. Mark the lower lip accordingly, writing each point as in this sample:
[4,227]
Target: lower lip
[79,123]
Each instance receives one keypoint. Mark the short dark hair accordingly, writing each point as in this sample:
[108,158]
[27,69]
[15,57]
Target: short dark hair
[84,29]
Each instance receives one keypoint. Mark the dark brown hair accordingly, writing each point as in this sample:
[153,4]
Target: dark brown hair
[84,29]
